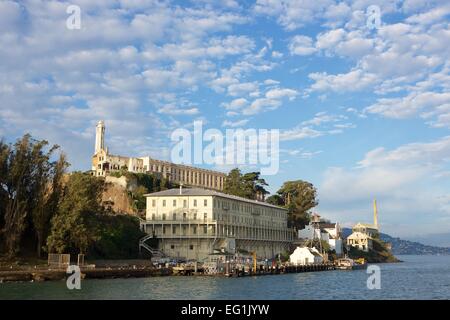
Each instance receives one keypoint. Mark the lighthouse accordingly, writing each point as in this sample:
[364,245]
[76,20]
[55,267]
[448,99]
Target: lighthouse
[100,137]
[375,214]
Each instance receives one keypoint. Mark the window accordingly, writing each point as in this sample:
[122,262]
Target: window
[205,203]
[164,216]
[174,229]
[153,216]
[194,229]
[195,216]
[174,216]
[164,229]
[205,229]
[195,202]
[184,215]
[205,216]
[172,246]
[164,203]
[174,203]
[184,203]
[153,203]
[191,247]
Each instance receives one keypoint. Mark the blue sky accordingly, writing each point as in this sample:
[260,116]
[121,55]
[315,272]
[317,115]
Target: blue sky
[363,112]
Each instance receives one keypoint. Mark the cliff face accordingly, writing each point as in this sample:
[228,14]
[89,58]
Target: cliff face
[116,194]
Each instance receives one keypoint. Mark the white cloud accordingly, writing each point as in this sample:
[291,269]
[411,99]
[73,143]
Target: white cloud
[301,45]
[409,105]
[300,133]
[293,14]
[173,110]
[400,179]
[234,124]
[239,89]
[262,104]
[354,80]
[280,93]
[236,104]
[432,16]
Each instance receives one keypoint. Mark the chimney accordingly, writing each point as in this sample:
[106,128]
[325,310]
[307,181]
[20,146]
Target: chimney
[181,189]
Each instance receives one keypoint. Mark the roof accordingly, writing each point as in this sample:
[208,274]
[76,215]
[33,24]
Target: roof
[358,235]
[327,225]
[175,192]
[312,251]
[366,225]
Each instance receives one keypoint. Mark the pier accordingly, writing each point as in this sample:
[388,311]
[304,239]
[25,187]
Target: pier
[246,271]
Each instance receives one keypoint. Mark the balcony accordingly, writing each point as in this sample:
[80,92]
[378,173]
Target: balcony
[181,221]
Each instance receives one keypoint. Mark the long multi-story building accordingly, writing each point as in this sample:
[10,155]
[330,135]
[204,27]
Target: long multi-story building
[103,163]
[197,223]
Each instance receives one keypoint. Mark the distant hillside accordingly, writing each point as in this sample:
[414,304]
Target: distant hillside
[436,239]
[400,246]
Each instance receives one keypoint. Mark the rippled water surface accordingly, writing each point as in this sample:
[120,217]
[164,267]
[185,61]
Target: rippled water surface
[418,277]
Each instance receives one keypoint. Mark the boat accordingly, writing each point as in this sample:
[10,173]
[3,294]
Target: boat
[350,264]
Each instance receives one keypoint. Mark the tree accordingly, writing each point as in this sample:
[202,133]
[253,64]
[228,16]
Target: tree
[299,197]
[73,228]
[275,200]
[48,200]
[25,174]
[249,185]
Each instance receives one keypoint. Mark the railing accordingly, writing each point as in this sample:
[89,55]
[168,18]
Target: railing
[154,252]
[185,221]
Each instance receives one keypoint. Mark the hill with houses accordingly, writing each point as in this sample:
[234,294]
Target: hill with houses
[405,247]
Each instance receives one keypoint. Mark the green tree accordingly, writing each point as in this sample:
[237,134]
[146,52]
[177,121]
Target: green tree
[248,185]
[275,200]
[48,200]
[26,172]
[74,227]
[299,197]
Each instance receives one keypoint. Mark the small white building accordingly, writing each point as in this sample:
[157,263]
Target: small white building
[328,232]
[361,241]
[305,255]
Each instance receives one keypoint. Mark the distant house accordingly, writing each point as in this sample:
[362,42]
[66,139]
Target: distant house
[369,229]
[363,233]
[360,240]
[305,256]
[328,232]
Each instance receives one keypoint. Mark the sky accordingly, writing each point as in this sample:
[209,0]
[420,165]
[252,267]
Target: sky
[361,100]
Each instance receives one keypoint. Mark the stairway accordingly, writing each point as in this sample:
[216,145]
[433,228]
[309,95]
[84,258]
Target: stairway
[154,252]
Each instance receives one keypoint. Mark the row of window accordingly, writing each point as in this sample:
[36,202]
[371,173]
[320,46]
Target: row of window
[248,208]
[221,217]
[189,176]
[174,230]
[174,203]
[225,205]
[184,216]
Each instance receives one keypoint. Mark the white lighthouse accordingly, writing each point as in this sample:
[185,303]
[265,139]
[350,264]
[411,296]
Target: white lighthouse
[100,137]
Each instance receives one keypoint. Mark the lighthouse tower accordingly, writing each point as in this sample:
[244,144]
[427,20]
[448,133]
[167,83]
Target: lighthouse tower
[100,137]
[375,214]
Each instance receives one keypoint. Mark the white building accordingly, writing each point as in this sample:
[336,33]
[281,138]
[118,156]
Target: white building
[103,163]
[305,255]
[194,223]
[328,232]
[361,241]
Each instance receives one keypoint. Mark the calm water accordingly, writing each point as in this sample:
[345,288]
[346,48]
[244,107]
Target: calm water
[418,277]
